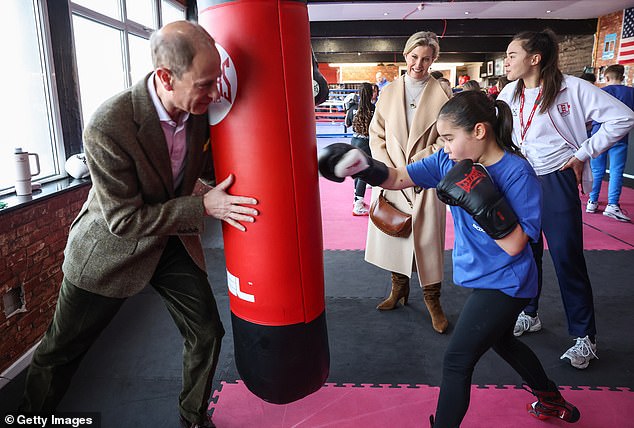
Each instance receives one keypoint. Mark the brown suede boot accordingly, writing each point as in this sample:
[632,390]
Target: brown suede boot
[400,291]
[431,294]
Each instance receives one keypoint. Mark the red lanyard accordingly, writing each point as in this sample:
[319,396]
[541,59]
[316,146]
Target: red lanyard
[524,129]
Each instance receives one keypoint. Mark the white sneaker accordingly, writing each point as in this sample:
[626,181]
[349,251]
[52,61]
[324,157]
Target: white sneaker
[526,323]
[359,208]
[614,211]
[592,206]
[581,353]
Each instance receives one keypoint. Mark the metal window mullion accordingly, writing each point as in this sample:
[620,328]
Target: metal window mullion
[138,29]
[50,88]
[159,13]
[97,17]
[126,58]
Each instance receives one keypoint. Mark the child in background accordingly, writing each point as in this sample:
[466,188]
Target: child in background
[614,75]
[360,122]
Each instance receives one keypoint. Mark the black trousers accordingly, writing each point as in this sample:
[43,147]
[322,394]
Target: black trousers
[363,144]
[81,316]
[486,321]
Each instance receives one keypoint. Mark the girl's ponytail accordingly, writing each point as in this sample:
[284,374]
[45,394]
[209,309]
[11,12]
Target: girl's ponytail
[468,108]
[504,128]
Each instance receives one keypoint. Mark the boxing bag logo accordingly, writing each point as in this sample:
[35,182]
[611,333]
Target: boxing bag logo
[227,88]
[471,180]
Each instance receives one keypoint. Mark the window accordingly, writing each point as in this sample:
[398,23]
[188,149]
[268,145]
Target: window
[29,107]
[140,58]
[100,67]
[112,44]
[111,47]
[171,12]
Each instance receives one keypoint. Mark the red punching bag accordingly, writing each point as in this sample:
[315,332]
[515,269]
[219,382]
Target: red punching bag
[263,131]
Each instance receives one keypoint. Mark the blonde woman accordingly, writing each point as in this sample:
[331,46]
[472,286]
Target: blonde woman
[402,131]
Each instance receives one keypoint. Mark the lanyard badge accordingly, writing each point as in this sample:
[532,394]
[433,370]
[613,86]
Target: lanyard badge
[524,129]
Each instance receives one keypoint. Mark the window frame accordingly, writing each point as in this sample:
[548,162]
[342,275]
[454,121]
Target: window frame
[48,67]
[126,26]
[61,81]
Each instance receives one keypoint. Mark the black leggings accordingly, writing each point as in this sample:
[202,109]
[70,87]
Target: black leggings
[486,321]
[363,144]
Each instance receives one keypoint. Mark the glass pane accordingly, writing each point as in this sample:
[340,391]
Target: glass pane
[99,63]
[171,12]
[141,11]
[106,7]
[27,102]
[140,57]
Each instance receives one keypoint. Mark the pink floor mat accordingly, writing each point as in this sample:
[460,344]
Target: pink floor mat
[605,233]
[343,231]
[349,406]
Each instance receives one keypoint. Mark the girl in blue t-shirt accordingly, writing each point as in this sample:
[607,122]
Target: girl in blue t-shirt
[495,200]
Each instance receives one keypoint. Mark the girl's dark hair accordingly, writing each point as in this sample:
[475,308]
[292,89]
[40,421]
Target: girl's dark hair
[363,116]
[543,43]
[468,108]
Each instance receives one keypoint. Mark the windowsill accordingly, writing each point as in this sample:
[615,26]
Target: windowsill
[48,190]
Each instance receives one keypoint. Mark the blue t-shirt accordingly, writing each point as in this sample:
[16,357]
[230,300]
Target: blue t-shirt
[478,262]
[623,93]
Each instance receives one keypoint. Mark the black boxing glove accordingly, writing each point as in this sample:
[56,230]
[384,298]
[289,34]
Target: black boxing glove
[470,187]
[320,86]
[341,160]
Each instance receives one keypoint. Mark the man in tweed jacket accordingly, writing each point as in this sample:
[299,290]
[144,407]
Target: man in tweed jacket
[146,148]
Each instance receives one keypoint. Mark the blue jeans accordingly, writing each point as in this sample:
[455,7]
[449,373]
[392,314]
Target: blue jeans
[618,156]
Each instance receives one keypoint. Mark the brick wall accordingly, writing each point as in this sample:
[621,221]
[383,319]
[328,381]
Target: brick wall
[350,73]
[331,74]
[575,53]
[32,241]
[368,74]
[610,24]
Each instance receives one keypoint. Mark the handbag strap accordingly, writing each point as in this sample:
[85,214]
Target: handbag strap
[406,198]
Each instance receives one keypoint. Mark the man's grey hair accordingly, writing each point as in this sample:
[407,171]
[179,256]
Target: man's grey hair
[175,50]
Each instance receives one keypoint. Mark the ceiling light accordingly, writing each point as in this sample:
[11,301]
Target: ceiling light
[466,13]
[548,11]
[386,13]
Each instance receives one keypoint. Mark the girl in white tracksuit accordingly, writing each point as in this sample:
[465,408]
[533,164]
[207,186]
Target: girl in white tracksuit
[550,111]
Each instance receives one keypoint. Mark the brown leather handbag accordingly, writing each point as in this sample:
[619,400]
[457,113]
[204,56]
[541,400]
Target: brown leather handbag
[389,219]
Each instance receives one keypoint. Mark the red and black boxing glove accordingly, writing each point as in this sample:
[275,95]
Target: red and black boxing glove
[340,160]
[469,186]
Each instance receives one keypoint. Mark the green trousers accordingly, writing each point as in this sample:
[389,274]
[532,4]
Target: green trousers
[80,316]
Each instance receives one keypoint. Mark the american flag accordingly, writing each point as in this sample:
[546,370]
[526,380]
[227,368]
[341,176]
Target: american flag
[626,50]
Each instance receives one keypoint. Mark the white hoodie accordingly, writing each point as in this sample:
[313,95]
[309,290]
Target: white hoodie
[577,103]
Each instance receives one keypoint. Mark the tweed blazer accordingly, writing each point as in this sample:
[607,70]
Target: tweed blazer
[119,235]
[392,143]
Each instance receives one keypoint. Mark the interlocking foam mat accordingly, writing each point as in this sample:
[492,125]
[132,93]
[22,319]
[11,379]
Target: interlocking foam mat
[368,406]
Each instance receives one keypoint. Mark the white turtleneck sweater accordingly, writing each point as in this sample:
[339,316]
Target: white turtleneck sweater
[413,91]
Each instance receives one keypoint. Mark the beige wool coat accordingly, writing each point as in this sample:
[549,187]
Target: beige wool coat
[392,143]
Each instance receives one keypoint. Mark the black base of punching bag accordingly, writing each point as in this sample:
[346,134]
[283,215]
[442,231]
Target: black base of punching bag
[281,364]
